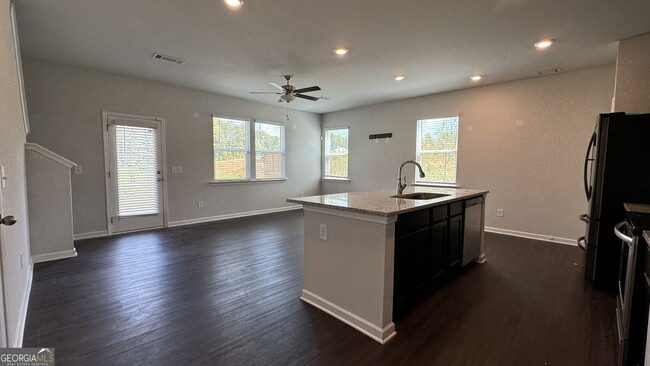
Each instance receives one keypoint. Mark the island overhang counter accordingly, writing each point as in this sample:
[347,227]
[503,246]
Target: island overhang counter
[349,250]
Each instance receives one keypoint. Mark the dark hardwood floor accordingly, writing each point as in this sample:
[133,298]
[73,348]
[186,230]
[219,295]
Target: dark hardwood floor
[227,293]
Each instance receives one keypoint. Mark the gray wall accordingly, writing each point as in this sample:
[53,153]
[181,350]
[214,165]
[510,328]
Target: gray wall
[65,105]
[533,171]
[633,75]
[16,273]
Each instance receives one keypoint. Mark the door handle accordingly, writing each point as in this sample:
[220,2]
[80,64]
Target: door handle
[585,218]
[8,220]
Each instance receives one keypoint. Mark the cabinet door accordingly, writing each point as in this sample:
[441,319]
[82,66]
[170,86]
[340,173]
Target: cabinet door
[455,253]
[410,279]
[436,254]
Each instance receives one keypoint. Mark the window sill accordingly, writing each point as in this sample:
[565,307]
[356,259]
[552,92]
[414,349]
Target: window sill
[439,185]
[247,181]
[333,179]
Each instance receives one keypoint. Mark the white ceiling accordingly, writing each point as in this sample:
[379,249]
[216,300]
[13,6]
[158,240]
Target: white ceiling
[437,44]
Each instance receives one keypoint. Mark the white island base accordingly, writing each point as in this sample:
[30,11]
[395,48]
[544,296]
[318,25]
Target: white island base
[350,275]
[349,255]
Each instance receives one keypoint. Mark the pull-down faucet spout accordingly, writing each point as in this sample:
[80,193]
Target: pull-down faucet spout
[400,185]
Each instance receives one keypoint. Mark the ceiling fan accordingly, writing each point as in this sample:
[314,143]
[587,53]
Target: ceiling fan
[288,93]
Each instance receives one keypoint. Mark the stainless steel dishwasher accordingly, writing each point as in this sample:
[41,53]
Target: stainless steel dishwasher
[472,232]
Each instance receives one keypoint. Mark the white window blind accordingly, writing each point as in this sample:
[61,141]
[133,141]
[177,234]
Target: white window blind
[137,170]
[336,153]
[269,151]
[231,143]
[437,149]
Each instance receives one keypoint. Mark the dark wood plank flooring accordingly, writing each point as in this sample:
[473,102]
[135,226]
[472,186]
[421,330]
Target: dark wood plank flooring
[227,293]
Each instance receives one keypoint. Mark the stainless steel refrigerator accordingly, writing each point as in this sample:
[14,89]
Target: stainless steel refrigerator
[616,170]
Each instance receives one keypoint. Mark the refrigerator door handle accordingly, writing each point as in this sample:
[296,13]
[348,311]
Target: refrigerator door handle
[592,143]
[582,243]
[619,229]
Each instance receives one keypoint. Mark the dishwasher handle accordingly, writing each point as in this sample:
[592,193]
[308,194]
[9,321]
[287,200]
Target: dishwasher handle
[618,230]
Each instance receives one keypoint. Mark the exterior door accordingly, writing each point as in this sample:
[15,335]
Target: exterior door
[134,176]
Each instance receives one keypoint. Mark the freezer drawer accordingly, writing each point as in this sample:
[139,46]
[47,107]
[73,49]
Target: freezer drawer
[473,228]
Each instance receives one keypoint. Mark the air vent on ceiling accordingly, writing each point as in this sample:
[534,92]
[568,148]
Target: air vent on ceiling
[550,71]
[168,58]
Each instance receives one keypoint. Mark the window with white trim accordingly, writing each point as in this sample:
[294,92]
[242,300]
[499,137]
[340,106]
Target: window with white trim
[247,150]
[231,141]
[336,153]
[269,151]
[437,149]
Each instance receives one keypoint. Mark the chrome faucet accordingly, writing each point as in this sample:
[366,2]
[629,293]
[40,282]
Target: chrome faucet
[400,185]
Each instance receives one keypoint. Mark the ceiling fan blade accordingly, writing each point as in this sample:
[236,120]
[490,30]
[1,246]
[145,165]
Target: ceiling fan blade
[264,93]
[306,97]
[275,85]
[307,90]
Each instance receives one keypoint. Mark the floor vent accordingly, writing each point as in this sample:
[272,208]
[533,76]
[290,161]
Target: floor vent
[168,58]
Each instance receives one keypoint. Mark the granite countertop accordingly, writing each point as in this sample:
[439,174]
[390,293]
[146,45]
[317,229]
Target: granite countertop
[380,203]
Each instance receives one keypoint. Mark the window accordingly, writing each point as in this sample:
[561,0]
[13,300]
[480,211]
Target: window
[336,153]
[437,149]
[233,139]
[269,151]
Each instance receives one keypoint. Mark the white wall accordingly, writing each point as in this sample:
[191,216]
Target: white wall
[65,105]
[15,239]
[533,172]
[633,75]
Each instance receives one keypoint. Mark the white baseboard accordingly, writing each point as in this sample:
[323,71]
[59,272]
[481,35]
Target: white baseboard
[364,326]
[90,235]
[201,220]
[54,256]
[17,342]
[522,234]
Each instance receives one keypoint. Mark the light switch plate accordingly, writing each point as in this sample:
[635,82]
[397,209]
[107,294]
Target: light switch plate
[177,169]
[78,170]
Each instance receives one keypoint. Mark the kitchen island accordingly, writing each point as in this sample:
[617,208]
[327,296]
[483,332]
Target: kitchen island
[370,257]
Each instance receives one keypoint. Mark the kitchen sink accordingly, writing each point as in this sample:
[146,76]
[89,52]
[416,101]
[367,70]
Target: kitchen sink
[420,195]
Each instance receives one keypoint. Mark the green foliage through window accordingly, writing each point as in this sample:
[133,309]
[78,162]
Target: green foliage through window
[336,153]
[232,150]
[437,149]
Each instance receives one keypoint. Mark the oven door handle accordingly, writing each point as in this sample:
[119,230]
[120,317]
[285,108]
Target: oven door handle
[582,243]
[618,230]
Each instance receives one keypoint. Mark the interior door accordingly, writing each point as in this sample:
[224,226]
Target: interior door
[135,178]
[3,328]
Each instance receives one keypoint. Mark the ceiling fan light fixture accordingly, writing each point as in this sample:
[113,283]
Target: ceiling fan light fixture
[543,44]
[288,97]
[341,51]
[400,77]
[234,3]
[476,77]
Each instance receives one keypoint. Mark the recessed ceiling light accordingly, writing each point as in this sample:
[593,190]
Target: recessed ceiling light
[341,51]
[234,3]
[400,77]
[476,77]
[544,44]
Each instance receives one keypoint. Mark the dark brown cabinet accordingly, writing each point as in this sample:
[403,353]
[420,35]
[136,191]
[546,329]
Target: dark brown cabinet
[428,250]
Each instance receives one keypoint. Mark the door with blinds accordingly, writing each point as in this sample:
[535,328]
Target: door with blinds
[135,179]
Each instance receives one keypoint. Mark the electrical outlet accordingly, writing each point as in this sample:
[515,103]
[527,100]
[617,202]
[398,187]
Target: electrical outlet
[499,212]
[323,232]
[200,204]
